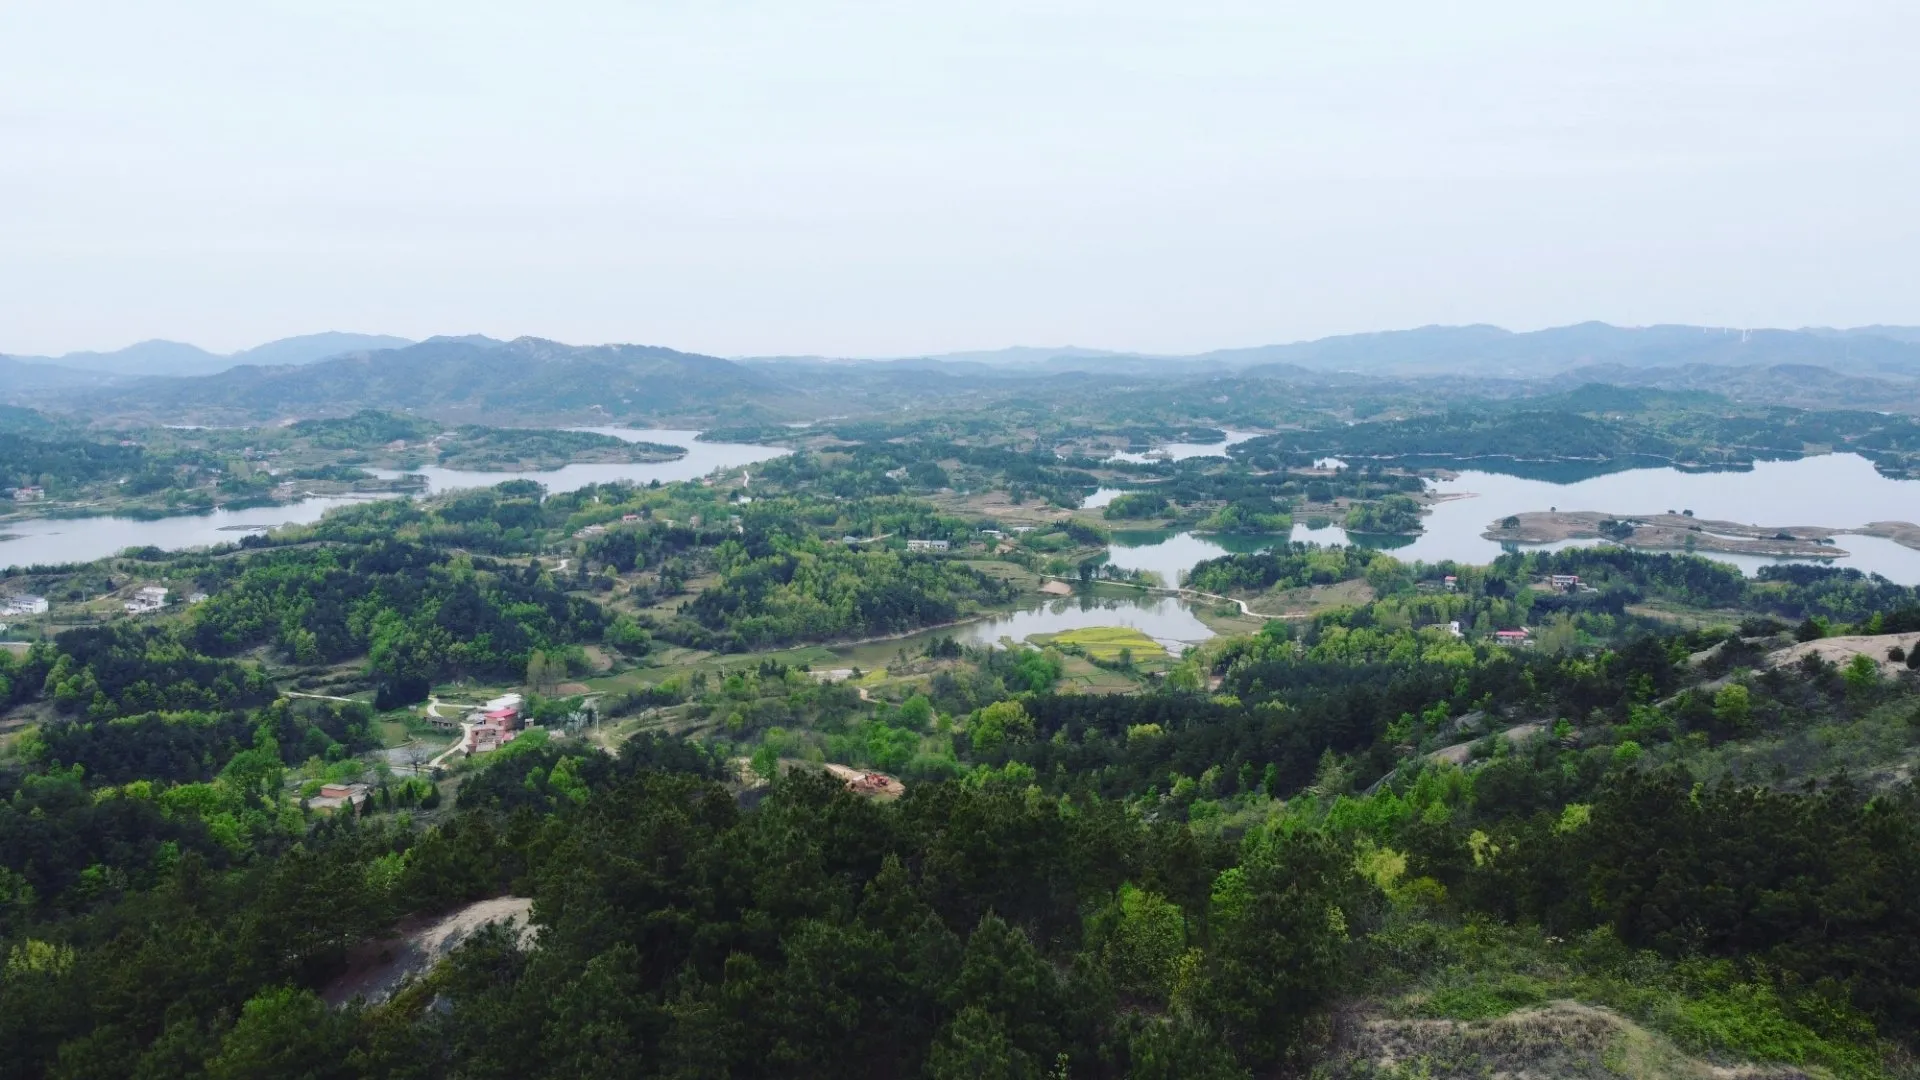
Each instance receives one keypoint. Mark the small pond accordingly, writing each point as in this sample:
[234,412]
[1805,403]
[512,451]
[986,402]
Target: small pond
[1165,619]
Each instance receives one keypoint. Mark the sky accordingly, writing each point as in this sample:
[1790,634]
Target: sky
[868,179]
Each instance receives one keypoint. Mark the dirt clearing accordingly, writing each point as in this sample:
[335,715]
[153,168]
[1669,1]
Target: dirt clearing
[375,969]
[1842,650]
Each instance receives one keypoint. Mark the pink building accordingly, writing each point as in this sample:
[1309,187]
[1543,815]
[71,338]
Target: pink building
[495,727]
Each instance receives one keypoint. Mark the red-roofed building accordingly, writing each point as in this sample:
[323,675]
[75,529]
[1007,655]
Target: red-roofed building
[495,726]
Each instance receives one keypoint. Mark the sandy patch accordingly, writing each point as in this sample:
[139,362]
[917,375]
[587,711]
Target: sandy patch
[1904,533]
[1668,532]
[1842,650]
[1460,753]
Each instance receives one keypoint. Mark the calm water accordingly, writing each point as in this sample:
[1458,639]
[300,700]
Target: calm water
[1169,554]
[1166,620]
[1835,490]
[48,541]
[1832,490]
[1181,451]
[701,458]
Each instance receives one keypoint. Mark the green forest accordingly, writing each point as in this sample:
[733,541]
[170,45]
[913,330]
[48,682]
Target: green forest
[1175,882]
[1438,820]
[737,541]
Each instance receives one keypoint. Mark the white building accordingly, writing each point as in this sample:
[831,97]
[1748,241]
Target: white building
[24,604]
[147,598]
[927,545]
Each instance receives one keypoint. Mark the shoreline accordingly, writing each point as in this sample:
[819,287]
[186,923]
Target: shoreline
[1678,532]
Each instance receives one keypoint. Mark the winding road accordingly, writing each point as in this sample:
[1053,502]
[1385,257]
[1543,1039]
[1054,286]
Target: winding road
[321,697]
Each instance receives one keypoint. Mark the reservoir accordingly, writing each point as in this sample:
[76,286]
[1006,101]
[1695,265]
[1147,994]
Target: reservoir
[1183,451]
[1830,490]
[51,541]
[701,459]
[1167,620]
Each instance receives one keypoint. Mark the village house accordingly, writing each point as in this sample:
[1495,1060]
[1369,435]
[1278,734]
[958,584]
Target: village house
[337,796]
[493,725]
[28,494]
[1564,581]
[1512,637]
[927,545]
[24,604]
[147,598]
[1451,582]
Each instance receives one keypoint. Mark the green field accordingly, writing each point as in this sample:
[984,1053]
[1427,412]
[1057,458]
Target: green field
[1106,642]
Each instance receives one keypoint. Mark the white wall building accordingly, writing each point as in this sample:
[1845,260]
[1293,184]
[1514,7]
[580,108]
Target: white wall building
[147,598]
[24,604]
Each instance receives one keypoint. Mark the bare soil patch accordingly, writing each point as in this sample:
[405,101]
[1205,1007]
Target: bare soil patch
[1312,599]
[1904,533]
[1842,650]
[376,969]
[877,785]
[1667,532]
[1559,1040]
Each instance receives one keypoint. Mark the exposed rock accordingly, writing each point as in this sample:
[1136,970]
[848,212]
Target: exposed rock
[376,969]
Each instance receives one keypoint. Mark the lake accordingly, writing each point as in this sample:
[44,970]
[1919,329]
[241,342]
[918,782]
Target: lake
[50,541]
[1836,491]
[1165,619]
[701,459]
[1831,490]
[1183,451]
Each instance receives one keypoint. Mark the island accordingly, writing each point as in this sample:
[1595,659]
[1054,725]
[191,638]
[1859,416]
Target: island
[1684,532]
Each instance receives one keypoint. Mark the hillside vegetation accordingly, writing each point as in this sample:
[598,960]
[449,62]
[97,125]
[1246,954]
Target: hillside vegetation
[778,811]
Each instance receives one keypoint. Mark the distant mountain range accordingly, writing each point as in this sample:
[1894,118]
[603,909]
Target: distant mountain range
[1490,350]
[451,377]
[1475,349]
[175,358]
[535,379]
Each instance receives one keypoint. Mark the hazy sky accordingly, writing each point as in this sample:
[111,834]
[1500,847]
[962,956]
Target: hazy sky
[874,179]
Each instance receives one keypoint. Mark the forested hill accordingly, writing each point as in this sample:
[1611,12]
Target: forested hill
[467,378]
